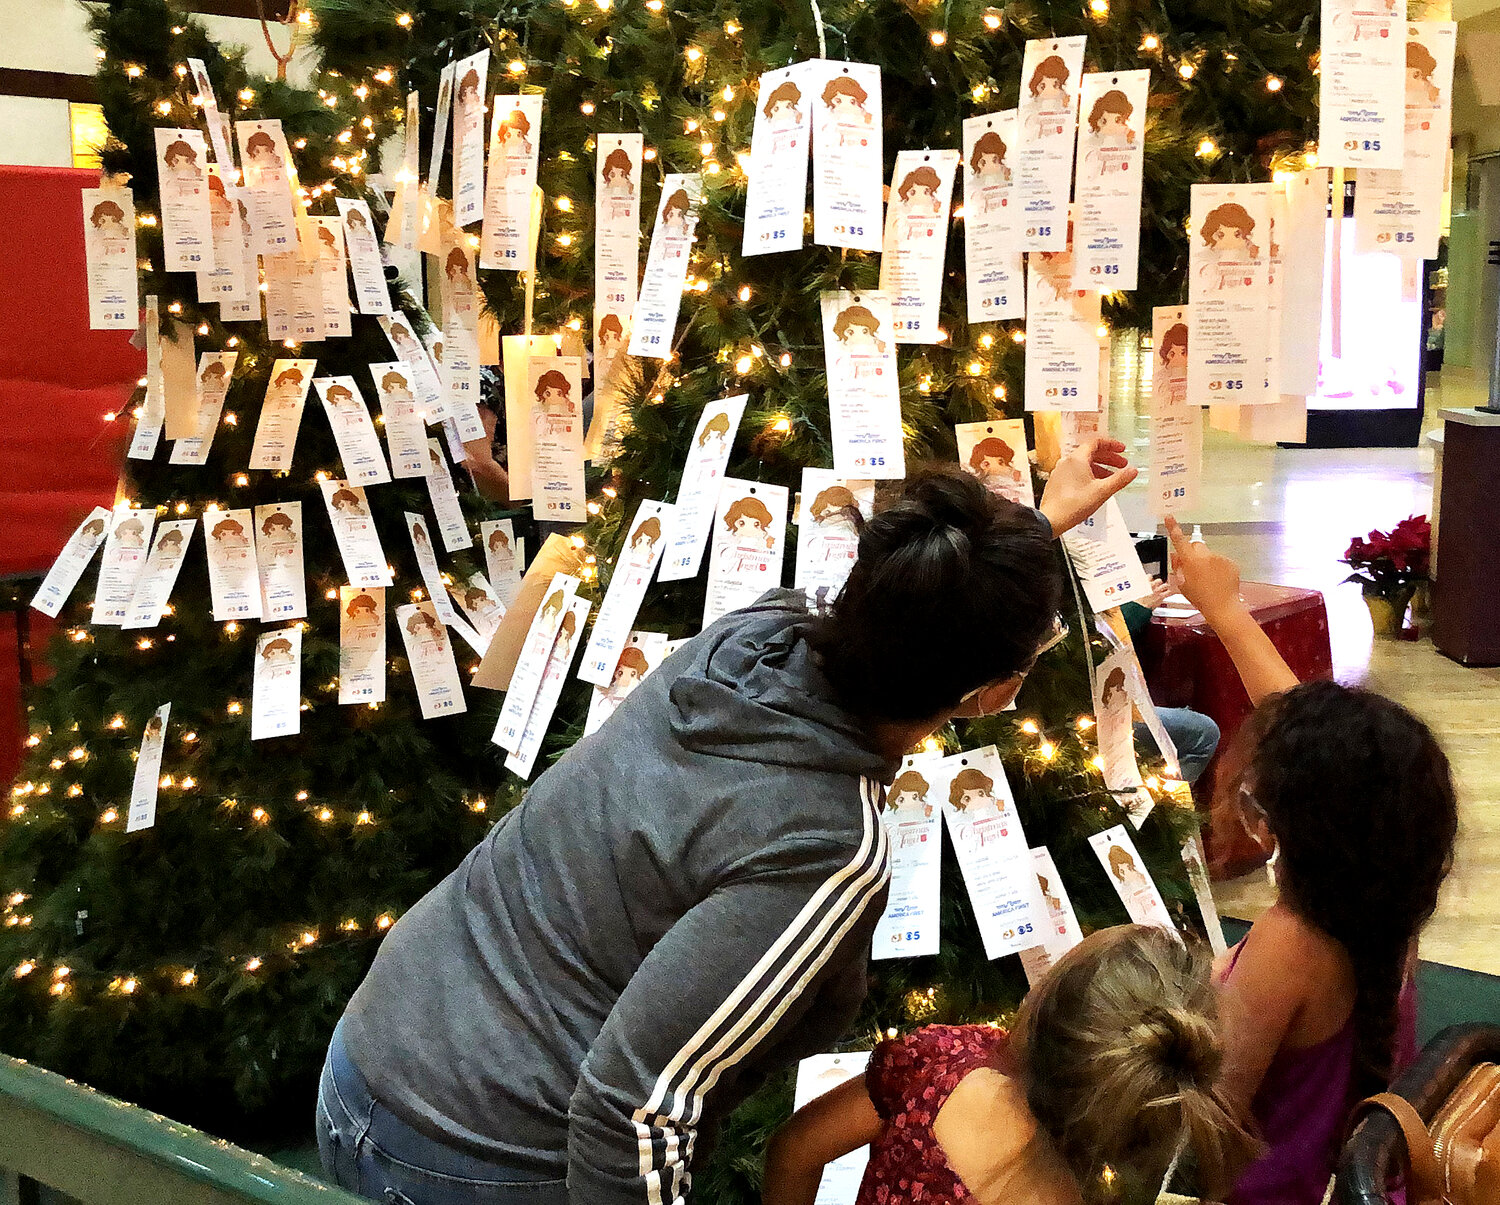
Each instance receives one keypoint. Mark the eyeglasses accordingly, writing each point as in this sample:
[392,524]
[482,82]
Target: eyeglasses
[981,701]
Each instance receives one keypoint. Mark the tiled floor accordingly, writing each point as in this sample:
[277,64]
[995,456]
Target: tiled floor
[1287,515]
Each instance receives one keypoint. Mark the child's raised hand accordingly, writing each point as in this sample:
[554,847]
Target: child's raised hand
[1210,581]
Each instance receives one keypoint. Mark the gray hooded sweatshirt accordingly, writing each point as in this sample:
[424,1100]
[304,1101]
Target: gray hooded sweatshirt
[683,904]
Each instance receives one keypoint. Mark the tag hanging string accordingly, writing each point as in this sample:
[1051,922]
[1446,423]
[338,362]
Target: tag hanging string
[265,28]
[818,21]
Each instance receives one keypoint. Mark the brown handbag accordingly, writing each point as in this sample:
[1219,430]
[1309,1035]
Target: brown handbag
[1456,1161]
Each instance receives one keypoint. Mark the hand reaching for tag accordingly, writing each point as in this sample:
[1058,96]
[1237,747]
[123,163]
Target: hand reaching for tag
[1210,580]
[1083,481]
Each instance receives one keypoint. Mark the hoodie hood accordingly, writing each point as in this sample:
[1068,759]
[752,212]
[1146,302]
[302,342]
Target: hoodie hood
[753,690]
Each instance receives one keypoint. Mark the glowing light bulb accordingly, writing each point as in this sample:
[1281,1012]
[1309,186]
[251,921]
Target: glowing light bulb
[1100,8]
[187,979]
[1206,148]
[403,20]
[1273,83]
[744,364]
[1047,750]
[782,425]
[1186,70]
[1029,727]
[938,38]
[693,54]
[516,67]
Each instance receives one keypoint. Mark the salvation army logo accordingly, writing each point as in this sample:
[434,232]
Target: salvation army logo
[1215,385]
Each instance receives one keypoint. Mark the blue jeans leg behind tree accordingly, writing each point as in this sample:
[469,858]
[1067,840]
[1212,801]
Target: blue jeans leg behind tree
[1195,735]
[367,1150]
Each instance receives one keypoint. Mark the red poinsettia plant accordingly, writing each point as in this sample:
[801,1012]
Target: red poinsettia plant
[1390,562]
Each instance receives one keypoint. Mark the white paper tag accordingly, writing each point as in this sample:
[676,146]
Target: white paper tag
[219,133]
[182,177]
[147,437]
[153,588]
[429,651]
[916,242]
[502,558]
[1303,237]
[1402,210]
[1105,559]
[1176,427]
[1230,291]
[526,678]
[556,385]
[120,566]
[459,371]
[405,220]
[1193,859]
[516,352]
[361,644]
[642,653]
[177,378]
[991,849]
[1127,873]
[441,115]
[655,320]
[1063,932]
[233,277]
[248,307]
[294,298]
[992,260]
[215,370]
[353,430]
[468,138]
[268,186]
[427,564]
[1361,111]
[515,132]
[405,433]
[364,256]
[233,574]
[864,394]
[57,586]
[444,499]
[1050,69]
[827,516]
[109,250]
[276,700]
[278,552]
[816,1076]
[911,924]
[1111,142]
[698,495]
[1062,336]
[410,350]
[634,567]
[333,277]
[848,155]
[147,778]
[617,234]
[523,760]
[749,539]
[1114,719]
[281,414]
[995,452]
[480,605]
[354,530]
[776,192]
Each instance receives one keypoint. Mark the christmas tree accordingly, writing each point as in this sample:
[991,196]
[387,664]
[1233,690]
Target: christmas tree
[199,966]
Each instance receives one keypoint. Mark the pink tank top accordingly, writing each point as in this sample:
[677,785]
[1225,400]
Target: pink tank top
[1301,1107]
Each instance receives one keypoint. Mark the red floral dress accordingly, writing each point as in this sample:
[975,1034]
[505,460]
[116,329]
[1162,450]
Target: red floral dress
[909,1079]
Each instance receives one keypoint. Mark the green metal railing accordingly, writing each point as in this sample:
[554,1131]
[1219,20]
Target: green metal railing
[102,1151]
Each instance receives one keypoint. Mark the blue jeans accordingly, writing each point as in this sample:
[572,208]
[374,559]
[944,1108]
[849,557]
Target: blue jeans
[1195,735]
[367,1150]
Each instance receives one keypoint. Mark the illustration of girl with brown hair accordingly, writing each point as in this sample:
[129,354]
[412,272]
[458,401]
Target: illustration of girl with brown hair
[567,632]
[552,609]
[228,533]
[280,533]
[289,381]
[277,652]
[456,269]
[608,341]
[109,220]
[468,88]
[677,215]
[419,534]
[1110,135]
[747,536]
[844,101]
[993,461]
[555,409]
[355,220]
[435,348]
[344,403]
[170,543]
[93,529]
[219,207]
[907,797]
[1054,272]
[860,350]
[1054,905]
[835,506]
[989,174]
[643,539]
[1173,350]
[972,792]
[511,137]
[263,161]
[346,502]
[131,533]
[780,106]
[1226,233]
[424,625]
[153,730]
[1114,685]
[715,432]
[396,388]
[616,172]
[403,340]
[1125,871]
[480,607]
[328,244]
[214,375]
[629,670]
[500,542]
[362,610]
[181,161]
[1050,105]
[1422,94]
[920,204]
